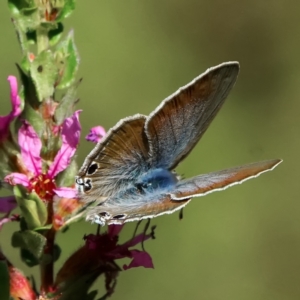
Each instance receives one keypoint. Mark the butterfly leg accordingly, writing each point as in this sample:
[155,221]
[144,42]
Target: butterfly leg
[136,227]
[145,231]
[181,214]
[98,229]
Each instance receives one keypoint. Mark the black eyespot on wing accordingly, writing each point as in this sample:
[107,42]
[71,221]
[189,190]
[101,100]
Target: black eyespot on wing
[87,185]
[118,217]
[79,181]
[92,169]
[104,214]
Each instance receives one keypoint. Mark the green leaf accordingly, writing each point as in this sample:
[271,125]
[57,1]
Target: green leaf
[29,240]
[6,152]
[68,8]
[25,64]
[32,103]
[28,208]
[4,281]
[56,252]
[66,177]
[25,14]
[68,59]
[34,118]
[30,94]
[16,6]
[65,106]
[43,228]
[21,36]
[55,34]
[41,208]
[32,207]
[31,37]
[28,258]
[44,74]
[49,26]
[30,213]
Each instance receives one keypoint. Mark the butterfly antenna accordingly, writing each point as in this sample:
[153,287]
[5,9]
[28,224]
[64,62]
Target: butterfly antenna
[152,233]
[145,231]
[181,214]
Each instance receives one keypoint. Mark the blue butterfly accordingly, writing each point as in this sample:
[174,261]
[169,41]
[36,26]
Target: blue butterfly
[130,175]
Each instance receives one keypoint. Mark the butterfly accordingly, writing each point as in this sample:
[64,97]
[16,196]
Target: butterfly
[130,174]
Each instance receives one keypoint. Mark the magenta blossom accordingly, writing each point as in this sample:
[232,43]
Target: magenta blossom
[7,204]
[34,178]
[16,108]
[96,134]
[7,219]
[105,247]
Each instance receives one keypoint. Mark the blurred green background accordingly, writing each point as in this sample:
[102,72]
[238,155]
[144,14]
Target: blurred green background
[242,243]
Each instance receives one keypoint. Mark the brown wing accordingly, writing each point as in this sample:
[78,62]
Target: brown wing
[133,206]
[178,123]
[204,184]
[115,161]
[133,209]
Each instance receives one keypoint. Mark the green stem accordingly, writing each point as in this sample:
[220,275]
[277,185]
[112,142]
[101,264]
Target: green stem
[42,39]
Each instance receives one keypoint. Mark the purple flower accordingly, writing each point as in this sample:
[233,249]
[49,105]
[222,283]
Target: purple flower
[98,255]
[7,204]
[105,247]
[96,134]
[33,177]
[16,108]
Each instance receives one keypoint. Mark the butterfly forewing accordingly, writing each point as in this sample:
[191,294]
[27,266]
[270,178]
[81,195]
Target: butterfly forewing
[178,123]
[115,161]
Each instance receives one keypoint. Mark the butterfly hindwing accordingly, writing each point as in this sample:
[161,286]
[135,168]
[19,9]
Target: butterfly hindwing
[133,206]
[202,185]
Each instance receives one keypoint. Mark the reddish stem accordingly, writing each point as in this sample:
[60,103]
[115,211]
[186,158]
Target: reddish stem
[47,269]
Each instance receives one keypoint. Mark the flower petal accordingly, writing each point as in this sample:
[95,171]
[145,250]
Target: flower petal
[7,204]
[31,146]
[4,126]
[19,285]
[4,220]
[14,97]
[114,230]
[17,178]
[66,192]
[136,240]
[70,138]
[16,108]
[96,134]
[139,259]
[7,219]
